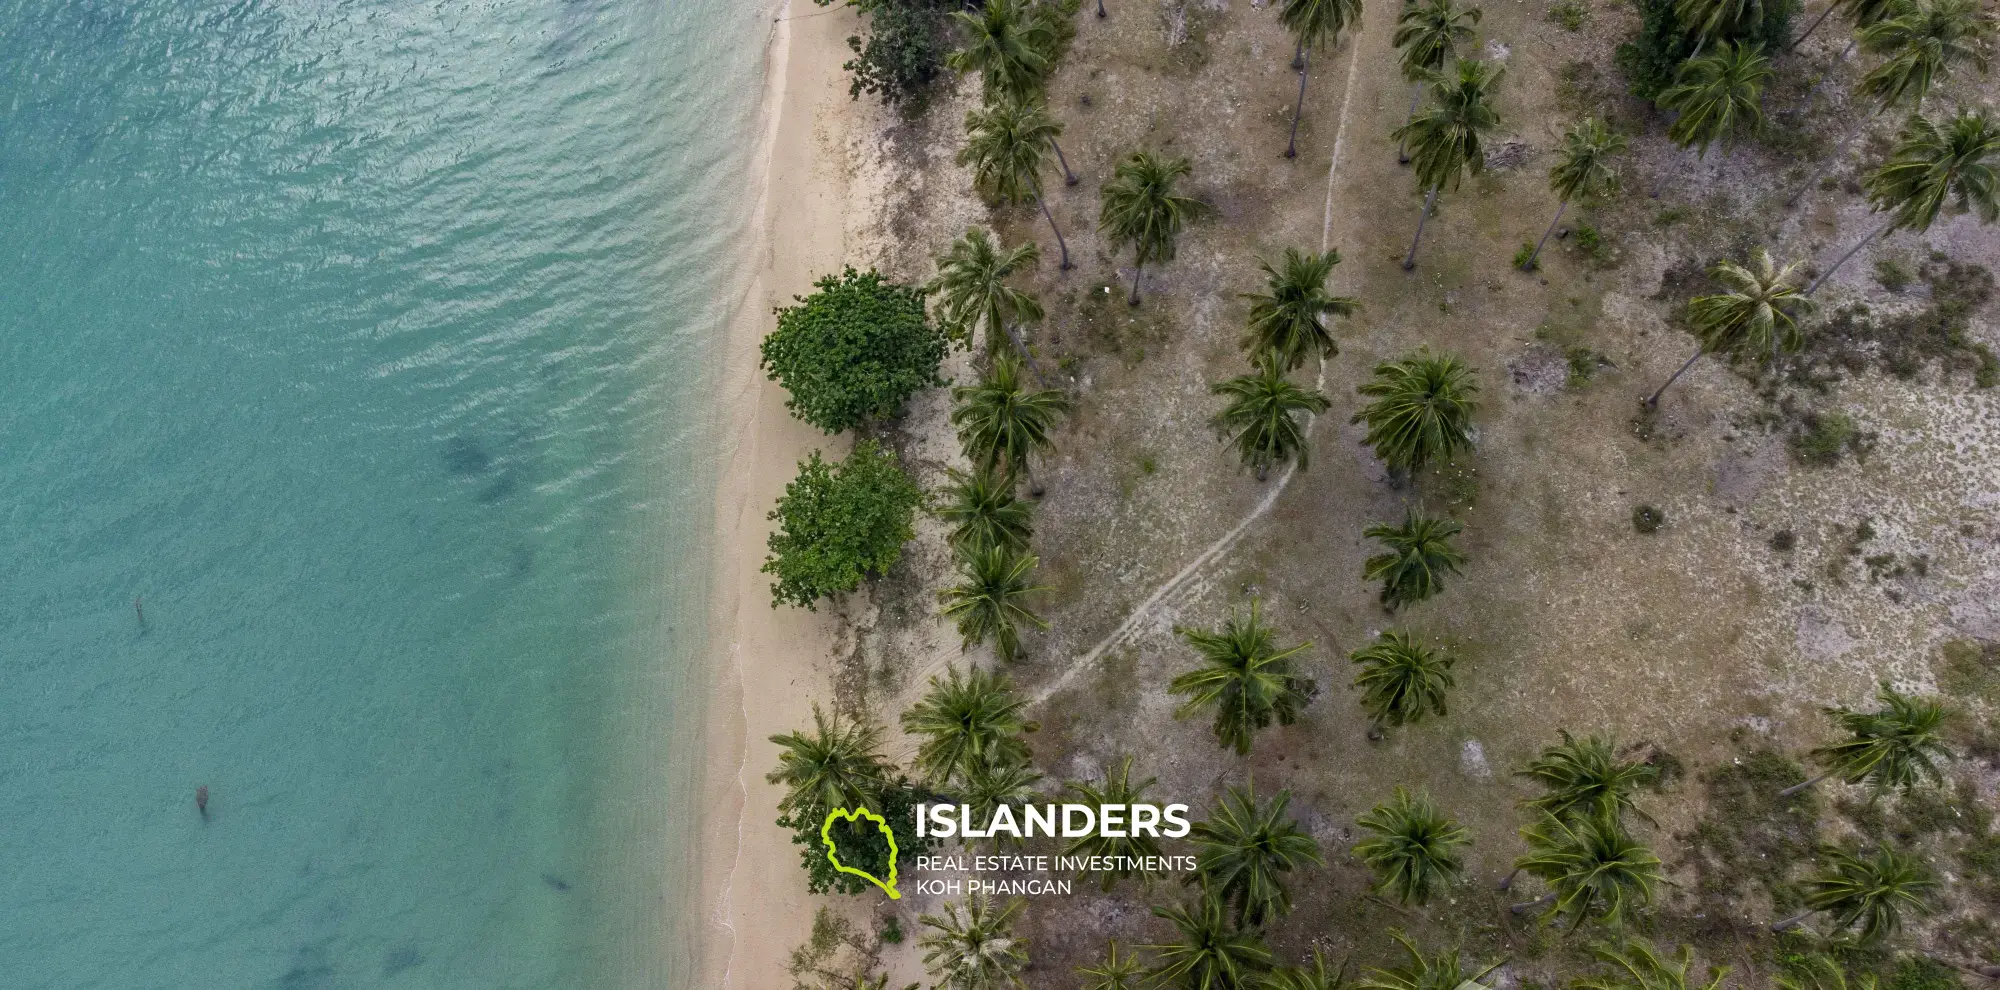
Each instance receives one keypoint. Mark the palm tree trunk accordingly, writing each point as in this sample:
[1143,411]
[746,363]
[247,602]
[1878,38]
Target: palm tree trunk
[1507,882]
[1858,245]
[1660,181]
[1795,788]
[1403,143]
[1654,402]
[1060,243]
[1138,265]
[1814,26]
[1292,148]
[1411,261]
[1543,901]
[1794,920]
[1021,346]
[1100,8]
[1560,207]
[1069,177]
[1839,153]
[1812,95]
[1299,57]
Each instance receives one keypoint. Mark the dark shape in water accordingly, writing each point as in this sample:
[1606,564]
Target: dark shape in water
[465,456]
[500,488]
[401,959]
[555,882]
[310,970]
[139,606]
[201,801]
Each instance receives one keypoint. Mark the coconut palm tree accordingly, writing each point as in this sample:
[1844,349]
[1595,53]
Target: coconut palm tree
[1006,145]
[1872,892]
[1003,425]
[1116,972]
[1445,140]
[1412,847]
[1636,965]
[1819,971]
[971,946]
[1584,169]
[1429,35]
[991,601]
[1422,410]
[1934,162]
[1585,778]
[1244,677]
[984,513]
[1318,976]
[1121,849]
[1262,420]
[1314,24]
[1401,680]
[1755,314]
[1895,747]
[1140,208]
[1707,20]
[1593,869]
[1719,97]
[972,291]
[1010,44]
[1419,557]
[1290,318]
[1208,953]
[839,766]
[990,784]
[967,721]
[1920,45]
[1244,850]
[1444,971]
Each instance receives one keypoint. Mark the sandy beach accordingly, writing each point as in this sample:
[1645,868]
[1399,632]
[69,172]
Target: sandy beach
[770,662]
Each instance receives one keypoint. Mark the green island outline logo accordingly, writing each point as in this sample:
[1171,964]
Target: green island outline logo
[833,854]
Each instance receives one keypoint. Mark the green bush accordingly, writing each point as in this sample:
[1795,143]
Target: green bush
[854,350]
[905,48]
[1570,14]
[1523,253]
[1650,60]
[1893,275]
[839,524]
[1922,973]
[1826,437]
[862,844]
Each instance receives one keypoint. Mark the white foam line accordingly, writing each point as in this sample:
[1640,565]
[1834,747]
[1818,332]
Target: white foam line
[1270,499]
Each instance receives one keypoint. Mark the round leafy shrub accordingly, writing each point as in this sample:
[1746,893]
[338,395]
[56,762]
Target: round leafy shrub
[854,350]
[1646,519]
[840,523]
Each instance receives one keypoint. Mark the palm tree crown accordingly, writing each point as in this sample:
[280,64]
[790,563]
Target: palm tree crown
[1116,789]
[1422,410]
[1446,138]
[1935,163]
[1585,778]
[1921,44]
[972,291]
[1000,422]
[989,785]
[1010,43]
[1245,677]
[1208,951]
[1412,847]
[1318,976]
[966,721]
[1006,144]
[1140,208]
[984,512]
[1756,311]
[1583,167]
[991,601]
[1897,746]
[1719,96]
[1710,19]
[839,766]
[1291,317]
[1593,868]
[1419,557]
[1443,971]
[1116,972]
[1429,35]
[1244,850]
[1318,23]
[972,946]
[1636,965]
[1872,892]
[1262,420]
[1401,679]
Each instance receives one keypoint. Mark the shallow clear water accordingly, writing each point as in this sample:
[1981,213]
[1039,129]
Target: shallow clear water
[365,340]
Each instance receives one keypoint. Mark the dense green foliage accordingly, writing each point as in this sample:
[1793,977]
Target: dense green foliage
[839,765]
[1117,788]
[1593,867]
[1654,56]
[1290,316]
[971,945]
[1422,410]
[1244,677]
[839,524]
[1207,951]
[1895,747]
[966,721]
[1585,778]
[1143,208]
[984,512]
[1266,417]
[1444,971]
[1243,849]
[1412,847]
[1402,681]
[861,843]
[1418,557]
[854,350]
[904,50]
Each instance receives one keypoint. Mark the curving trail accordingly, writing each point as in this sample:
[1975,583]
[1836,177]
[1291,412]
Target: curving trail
[1184,579]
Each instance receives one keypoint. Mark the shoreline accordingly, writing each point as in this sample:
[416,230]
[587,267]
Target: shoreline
[752,906]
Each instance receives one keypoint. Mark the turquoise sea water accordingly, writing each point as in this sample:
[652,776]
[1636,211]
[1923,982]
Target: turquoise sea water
[366,341]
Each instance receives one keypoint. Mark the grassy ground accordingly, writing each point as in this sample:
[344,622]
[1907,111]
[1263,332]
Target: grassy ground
[1775,586]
